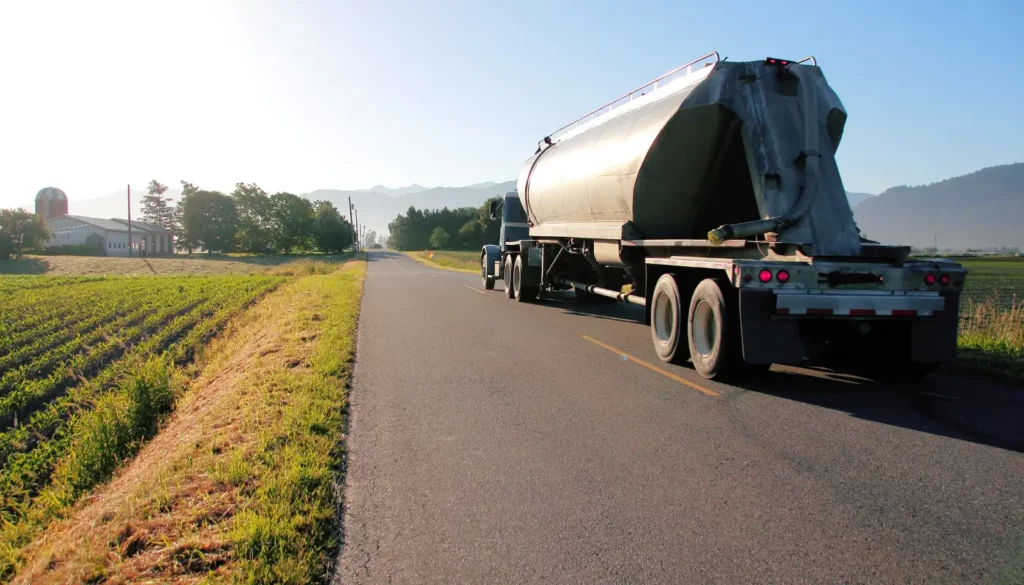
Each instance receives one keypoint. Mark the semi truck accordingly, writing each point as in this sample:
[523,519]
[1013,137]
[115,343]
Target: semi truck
[711,197]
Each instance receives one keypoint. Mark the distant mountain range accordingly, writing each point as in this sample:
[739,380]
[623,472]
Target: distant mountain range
[856,198]
[978,210]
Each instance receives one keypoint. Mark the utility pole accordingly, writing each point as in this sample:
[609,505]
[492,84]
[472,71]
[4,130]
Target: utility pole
[351,220]
[358,247]
[129,221]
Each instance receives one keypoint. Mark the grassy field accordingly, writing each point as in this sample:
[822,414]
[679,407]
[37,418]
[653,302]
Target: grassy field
[179,265]
[91,367]
[992,318]
[452,260]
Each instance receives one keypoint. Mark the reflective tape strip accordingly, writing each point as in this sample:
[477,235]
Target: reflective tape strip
[904,304]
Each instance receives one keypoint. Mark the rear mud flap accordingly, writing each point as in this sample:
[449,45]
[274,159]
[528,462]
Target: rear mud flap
[767,340]
[934,340]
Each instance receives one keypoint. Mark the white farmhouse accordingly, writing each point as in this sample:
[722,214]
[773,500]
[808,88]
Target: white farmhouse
[110,236]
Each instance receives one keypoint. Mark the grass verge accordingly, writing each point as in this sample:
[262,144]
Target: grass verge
[239,485]
[992,340]
[449,260]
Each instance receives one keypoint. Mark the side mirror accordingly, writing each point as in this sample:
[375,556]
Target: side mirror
[492,208]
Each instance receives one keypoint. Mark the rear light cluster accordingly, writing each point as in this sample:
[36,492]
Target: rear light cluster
[765,276]
[930,279]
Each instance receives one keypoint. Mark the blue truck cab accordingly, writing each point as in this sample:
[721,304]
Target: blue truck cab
[514,228]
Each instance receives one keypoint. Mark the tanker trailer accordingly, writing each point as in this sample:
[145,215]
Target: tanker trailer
[714,192]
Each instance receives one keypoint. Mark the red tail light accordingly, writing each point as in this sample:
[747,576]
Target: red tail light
[782,276]
[765,275]
[944,279]
[929,279]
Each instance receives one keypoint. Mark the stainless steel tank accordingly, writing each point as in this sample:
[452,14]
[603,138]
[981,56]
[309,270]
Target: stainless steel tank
[703,146]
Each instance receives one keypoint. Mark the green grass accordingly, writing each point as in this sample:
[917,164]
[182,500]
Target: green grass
[84,384]
[991,337]
[239,484]
[448,259]
[998,279]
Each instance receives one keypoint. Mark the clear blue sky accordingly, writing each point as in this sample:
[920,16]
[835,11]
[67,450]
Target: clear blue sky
[304,95]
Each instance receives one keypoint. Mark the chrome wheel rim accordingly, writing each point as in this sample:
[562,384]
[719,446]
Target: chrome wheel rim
[705,328]
[664,318]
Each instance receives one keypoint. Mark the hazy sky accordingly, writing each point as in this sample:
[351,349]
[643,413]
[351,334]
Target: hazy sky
[299,95]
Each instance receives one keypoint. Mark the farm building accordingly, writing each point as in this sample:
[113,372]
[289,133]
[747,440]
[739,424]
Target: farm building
[108,236]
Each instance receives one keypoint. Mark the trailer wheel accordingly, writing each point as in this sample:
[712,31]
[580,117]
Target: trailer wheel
[710,333]
[507,277]
[523,294]
[666,320]
[488,281]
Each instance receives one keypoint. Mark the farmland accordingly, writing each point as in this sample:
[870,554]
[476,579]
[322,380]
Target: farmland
[179,265]
[992,317]
[69,346]
[999,279]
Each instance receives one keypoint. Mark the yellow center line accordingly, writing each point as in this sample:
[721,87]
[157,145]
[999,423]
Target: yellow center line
[474,289]
[652,367]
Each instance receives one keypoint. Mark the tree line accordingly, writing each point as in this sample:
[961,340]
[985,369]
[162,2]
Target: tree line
[247,220]
[465,228]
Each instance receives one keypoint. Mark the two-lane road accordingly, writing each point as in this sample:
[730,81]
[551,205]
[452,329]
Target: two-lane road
[499,442]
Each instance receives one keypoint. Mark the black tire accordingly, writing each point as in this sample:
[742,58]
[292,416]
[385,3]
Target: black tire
[523,294]
[712,333]
[666,320]
[507,277]
[488,281]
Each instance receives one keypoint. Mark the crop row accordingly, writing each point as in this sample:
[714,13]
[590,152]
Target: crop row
[18,283]
[31,311]
[88,318]
[81,337]
[29,452]
[85,354]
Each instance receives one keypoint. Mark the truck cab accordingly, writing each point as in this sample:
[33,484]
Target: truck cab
[514,228]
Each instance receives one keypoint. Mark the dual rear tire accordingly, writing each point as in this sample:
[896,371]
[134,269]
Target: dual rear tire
[513,280]
[709,335]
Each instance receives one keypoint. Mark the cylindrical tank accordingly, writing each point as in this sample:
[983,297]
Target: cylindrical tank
[724,144]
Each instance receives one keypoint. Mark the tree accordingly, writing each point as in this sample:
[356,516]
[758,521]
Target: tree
[331,233]
[21,229]
[439,238]
[468,228]
[291,221]
[182,239]
[254,218]
[155,208]
[209,219]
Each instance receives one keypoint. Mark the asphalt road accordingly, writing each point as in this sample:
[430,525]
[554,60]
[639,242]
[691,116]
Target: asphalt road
[499,442]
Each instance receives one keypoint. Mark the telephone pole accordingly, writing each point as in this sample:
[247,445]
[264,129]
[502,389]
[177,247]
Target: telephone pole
[357,230]
[351,220]
[129,221]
